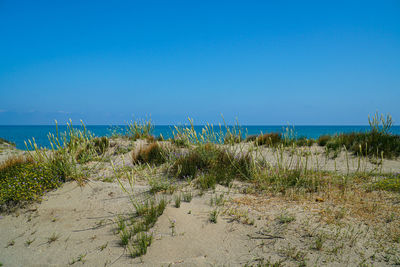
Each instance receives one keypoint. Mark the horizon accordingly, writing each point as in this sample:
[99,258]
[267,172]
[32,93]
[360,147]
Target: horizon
[267,64]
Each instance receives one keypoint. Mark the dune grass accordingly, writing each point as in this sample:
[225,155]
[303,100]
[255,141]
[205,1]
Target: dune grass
[209,158]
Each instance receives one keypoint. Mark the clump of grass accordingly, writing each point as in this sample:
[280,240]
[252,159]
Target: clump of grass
[177,200]
[269,139]
[101,144]
[23,180]
[157,185]
[206,181]
[152,154]
[285,218]
[139,247]
[187,197]
[134,234]
[53,238]
[214,216]
[222,165]
[125,236]
[140,129]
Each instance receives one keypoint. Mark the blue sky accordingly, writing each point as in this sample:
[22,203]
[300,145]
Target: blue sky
[263,62]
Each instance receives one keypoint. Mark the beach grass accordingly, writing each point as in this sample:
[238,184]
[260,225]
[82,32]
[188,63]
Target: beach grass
[271,164]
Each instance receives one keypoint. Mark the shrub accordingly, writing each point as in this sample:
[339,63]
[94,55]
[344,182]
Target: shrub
[269,139]
[303,141]
[371,143]
[323,140]
[152,154]
[22,180]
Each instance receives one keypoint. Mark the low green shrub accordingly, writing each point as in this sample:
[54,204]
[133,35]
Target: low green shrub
[152,154]
[269,139]
[23,180]
[304,141]
[323,140]
[367,144]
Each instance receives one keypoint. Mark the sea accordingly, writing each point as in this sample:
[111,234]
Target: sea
[19,134]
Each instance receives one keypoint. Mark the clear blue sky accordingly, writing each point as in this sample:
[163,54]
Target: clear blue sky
[264,62]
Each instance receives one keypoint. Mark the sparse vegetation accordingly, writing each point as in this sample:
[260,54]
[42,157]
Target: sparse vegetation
[271,168]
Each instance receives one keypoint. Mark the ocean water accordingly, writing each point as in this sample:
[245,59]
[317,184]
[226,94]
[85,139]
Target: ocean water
[19,134]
